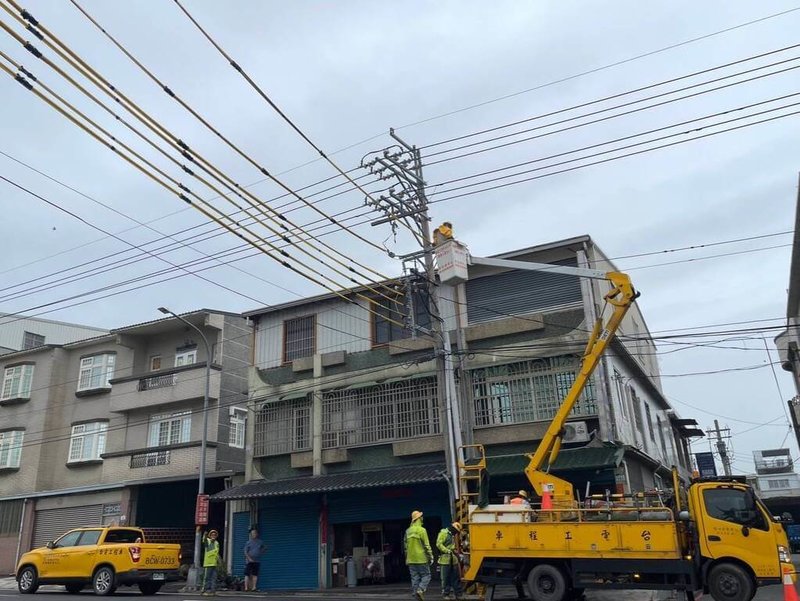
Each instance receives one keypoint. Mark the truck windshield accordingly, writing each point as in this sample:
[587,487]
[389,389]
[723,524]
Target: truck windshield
[735,505]
[120,535]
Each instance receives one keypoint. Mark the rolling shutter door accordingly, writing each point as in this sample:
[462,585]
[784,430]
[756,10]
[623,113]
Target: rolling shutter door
[52,523]
[495,296]
[289,526]
[241,528]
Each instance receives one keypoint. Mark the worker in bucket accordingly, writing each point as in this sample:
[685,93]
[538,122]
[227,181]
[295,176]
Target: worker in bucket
[449,564]
[419,556]
[521,499]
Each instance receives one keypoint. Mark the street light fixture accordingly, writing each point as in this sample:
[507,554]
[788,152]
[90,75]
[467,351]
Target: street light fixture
[194,573]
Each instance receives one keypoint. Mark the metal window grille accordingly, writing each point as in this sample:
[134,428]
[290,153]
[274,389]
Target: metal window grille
[158,382]
[527,391]
[10,516]
[31,340]
[283,427]
[380,413]
[149,459]
[299,337]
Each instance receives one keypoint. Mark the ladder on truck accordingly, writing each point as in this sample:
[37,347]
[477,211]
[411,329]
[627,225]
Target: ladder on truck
[471,472]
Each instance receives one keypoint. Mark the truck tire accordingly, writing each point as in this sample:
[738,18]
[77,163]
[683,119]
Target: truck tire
[149,588]
[103,581]
[73,589]
[729,582]
[28,580]
[547,583]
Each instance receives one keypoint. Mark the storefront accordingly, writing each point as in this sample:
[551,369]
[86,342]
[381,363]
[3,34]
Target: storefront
[313,525]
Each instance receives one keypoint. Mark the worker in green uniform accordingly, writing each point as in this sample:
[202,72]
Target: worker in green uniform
[210,561]
[447,545]
[419,556]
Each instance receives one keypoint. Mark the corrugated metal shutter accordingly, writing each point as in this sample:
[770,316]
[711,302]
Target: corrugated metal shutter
[354,506]
[514,292]
[289,526]
[241,531]
[51,523]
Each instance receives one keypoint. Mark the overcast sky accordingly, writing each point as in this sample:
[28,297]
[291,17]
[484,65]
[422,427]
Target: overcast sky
[347,71]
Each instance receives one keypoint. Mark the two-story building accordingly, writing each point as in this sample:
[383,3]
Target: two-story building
[109,429]
[348,412]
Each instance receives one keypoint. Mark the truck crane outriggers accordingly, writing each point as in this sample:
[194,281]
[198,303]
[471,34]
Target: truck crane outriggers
[714,535]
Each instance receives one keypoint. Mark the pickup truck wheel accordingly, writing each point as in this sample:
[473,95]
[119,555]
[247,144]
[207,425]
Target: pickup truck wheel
[149,588]
[73,589]
[547,583]
[729,582]
[103,581]
[28,580]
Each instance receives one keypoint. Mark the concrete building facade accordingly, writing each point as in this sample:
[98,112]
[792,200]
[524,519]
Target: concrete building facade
[108,429]
[348,415]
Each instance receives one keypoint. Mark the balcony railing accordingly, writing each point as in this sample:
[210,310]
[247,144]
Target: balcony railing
[149,459]
[153,382]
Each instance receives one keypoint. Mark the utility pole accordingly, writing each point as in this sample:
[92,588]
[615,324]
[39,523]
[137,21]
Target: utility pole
[722,435]
[407,204]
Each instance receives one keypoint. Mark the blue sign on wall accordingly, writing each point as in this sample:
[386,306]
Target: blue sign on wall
[706,465]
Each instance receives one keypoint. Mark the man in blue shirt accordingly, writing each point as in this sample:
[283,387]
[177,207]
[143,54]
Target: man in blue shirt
[253,549]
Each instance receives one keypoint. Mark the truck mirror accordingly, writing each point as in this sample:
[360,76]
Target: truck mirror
[684,516]
[51,545]
[745,531]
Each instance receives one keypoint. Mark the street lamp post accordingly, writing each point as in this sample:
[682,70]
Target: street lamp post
[194,573]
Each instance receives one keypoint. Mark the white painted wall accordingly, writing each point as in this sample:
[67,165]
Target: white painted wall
[341,326]
[12,330]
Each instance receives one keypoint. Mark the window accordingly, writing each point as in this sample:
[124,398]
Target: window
[637,416]
[118,535]
[237,428]
[10,517]
[155,362]
[390,316]
[169,429]
[299,338]
[31,340]
[283,427]
[17,382]
[623,401]
[185,357]
[88,441]
[649,420]
[90,537]
[783,483]
[11,447]
[70,539]
[662,438]
[96,371]
[527,391]
[734,505]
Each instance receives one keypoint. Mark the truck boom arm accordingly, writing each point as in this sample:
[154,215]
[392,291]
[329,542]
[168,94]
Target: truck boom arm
[620,297]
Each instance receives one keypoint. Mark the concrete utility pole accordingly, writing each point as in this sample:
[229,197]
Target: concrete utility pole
[723,435]
[402,164]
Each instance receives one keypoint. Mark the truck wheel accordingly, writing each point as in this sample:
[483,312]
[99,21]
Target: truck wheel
[103,581]
[73,589]
[547,583]
[729,582]
[149,588]
[28,580]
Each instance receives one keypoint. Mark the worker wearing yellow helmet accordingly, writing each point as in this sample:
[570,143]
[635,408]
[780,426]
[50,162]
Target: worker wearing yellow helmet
[449,563]
[419,556]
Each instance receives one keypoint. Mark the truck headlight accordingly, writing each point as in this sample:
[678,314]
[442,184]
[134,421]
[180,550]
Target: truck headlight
[783,554]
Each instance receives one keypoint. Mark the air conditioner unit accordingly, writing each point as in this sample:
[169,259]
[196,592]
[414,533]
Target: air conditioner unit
[576,432]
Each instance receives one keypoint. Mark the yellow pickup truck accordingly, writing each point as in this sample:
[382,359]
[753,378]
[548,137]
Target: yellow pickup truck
[102,557]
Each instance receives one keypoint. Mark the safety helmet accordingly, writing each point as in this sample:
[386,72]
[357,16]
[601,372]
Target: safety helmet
[415,515]
[523,494]
[213,532]
[457,526]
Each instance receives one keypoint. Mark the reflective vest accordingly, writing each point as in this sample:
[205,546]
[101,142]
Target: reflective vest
[212,553]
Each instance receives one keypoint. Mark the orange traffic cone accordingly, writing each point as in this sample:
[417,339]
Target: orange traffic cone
[547,501]
[789,592]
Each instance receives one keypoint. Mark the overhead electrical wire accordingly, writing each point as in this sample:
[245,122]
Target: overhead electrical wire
[179,189]
[263,95]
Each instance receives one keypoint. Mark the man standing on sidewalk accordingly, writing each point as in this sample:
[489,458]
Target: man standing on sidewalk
[210,561]
[419,556]
[253,549]
[447,545]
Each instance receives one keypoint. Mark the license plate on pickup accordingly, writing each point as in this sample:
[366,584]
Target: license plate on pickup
[158,576]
